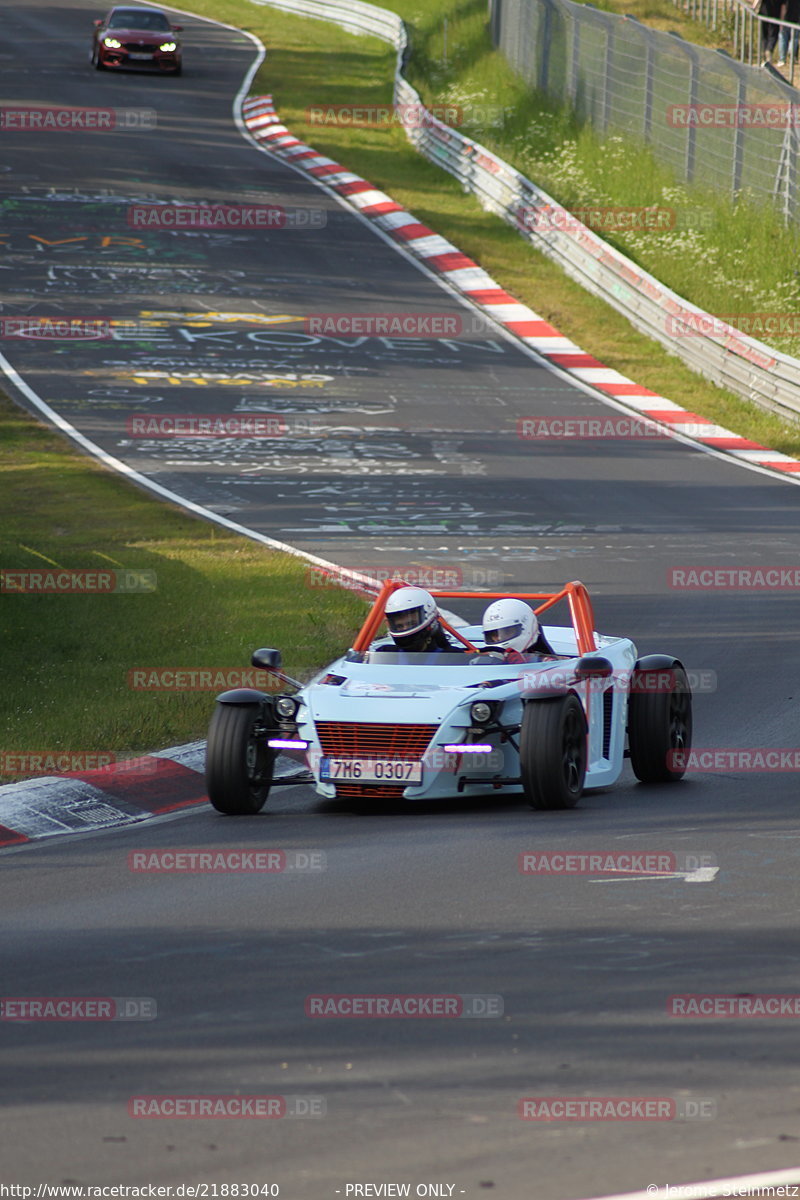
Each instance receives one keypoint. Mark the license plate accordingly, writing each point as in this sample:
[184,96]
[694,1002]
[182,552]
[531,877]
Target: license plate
[150,55]
[370,770]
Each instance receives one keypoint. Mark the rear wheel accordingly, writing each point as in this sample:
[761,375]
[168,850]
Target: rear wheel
[552,752]
[239,764]
[660,724]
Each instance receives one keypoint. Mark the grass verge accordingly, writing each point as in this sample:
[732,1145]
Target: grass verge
[67,658]
[743,261]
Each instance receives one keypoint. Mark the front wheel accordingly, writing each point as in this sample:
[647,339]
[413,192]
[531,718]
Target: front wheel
[96,63]
[552,752]
[239,763]
[660,724]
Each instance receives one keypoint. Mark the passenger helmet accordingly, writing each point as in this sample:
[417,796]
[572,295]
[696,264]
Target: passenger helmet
[510,625]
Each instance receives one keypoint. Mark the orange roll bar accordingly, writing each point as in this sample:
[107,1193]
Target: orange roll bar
[575,593]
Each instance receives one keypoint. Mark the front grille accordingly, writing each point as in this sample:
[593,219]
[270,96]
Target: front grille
[378,791]
[349,739]
[406,743]
[139,47]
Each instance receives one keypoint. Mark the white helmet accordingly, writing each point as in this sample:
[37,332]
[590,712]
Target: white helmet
[510,624]
[409,611]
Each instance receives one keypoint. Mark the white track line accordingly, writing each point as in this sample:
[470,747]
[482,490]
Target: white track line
[737,1185]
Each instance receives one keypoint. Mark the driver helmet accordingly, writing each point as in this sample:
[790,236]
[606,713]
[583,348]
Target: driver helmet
[510,625]
[411,615]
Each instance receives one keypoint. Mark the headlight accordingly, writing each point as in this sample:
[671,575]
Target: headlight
[286,707]
[169,46]
[112,43]
[481,712]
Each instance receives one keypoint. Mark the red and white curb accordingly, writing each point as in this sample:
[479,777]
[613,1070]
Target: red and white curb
[467,277]
[126,793]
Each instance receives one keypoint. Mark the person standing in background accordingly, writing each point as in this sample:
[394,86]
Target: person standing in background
[771,9]
[790,11]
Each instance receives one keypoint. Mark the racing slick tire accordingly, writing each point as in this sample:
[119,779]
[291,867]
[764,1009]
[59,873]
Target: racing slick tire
[238,767]
[552,752]
[660,726]
[95,60]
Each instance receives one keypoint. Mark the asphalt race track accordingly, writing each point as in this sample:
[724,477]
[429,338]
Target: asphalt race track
[397,452]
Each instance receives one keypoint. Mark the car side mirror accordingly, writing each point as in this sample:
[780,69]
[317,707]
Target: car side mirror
[97,23]
[177,29]
[592,666]
[267,659]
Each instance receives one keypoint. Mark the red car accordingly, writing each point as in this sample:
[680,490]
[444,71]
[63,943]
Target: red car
[136,37]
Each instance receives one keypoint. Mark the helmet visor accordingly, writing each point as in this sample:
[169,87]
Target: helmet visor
[406,621]
[498,637]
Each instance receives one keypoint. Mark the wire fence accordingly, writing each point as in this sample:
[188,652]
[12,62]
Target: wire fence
[729,358]
[715,121]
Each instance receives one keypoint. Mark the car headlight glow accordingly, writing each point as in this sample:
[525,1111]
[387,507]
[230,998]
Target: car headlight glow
[286,707]
[112,43]
[481,712]
[168,46]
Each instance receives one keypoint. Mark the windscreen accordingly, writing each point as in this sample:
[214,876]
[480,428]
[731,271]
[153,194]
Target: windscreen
[138,18]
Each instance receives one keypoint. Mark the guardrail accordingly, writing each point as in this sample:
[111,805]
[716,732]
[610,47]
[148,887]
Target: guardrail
[728,358]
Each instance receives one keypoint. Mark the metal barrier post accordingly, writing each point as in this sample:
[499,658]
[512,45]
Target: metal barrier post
[738,141]
[575,62]
[649,71]
[606,107]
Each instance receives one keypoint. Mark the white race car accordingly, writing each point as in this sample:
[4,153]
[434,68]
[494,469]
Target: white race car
[380,725]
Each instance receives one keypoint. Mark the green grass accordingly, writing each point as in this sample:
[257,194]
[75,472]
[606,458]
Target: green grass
[745,261]
[66,658]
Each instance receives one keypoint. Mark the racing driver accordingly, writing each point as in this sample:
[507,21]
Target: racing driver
[413,621]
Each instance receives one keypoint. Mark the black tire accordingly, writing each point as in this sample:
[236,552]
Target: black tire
[238,765]
[659,724]
[552,752]
[98,66]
